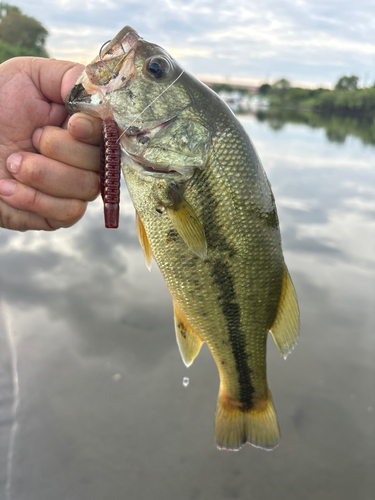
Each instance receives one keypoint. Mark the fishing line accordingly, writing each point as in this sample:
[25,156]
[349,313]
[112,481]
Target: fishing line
[106,65]
[151,103]
[114,76]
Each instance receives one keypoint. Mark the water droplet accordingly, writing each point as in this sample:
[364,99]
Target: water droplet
[116,377]
[370,409]
[185,381]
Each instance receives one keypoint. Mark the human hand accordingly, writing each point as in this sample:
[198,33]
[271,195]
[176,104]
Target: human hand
[48,190]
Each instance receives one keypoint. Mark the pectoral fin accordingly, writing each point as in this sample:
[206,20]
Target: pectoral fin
[187,340]
[143,240]
[285,328]
[188,226]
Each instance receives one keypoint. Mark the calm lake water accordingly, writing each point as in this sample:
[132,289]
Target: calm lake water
[94,401]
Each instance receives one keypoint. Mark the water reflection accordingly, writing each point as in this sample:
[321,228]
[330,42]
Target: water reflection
[103,412]
[338,128]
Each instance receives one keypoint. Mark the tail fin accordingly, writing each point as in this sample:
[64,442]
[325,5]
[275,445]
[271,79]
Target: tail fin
[235,426]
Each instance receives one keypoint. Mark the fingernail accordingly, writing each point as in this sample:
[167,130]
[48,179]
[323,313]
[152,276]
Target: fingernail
[36,138]
[7,187]
[81,128]
[14,162]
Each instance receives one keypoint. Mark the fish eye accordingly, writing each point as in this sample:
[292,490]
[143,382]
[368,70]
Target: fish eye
[157,68]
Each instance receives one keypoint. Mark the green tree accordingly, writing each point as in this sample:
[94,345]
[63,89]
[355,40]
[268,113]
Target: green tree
[264,89]
[20,35]
[347,83]
[282,84]
[281,88]
[218,87]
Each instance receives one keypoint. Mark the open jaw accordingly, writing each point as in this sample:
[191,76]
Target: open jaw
[153,168]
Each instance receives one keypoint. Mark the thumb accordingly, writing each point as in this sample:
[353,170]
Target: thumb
[53,78]
[70,78]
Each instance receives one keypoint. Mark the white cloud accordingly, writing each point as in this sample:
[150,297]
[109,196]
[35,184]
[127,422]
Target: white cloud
[86,4]
[312,41]
[179,52]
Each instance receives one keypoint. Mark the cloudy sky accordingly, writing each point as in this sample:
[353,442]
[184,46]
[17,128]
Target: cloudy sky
[310,42]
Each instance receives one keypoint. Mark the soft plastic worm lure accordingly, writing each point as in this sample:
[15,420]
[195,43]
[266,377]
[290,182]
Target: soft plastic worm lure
[110,172]
[110,159]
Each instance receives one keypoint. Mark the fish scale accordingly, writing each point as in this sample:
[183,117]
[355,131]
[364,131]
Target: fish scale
[206,213]
[207,308]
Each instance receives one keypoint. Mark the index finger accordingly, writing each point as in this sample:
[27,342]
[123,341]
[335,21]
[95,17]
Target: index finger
[58,145]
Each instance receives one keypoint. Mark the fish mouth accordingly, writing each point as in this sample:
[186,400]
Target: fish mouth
[77,98]
[152,168]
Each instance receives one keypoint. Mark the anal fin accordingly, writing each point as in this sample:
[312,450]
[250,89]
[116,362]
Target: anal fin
[143,240]
[285,328]
[188,341]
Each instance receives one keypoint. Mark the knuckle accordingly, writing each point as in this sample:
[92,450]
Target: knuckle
[52,224]
[73,213]
[92,187]
[87,185]
[35,173]
[10,220]
[49,146]
[36,201]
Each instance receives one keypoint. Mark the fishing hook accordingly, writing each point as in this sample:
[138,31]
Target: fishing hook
[100,57]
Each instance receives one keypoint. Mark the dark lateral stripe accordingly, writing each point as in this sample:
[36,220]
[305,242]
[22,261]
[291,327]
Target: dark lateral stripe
[231,310]
[222,277]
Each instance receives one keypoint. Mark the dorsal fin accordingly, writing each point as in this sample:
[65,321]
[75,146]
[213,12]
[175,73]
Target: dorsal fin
[143,240]
[285,328]
[188,341]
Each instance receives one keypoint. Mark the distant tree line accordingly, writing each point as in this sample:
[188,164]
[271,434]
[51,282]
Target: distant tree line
[346,98]
[20,35]
[226,87]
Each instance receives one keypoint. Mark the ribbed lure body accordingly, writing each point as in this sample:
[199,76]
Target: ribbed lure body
[110,172]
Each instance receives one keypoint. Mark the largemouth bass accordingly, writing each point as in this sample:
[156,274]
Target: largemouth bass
[206,213]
